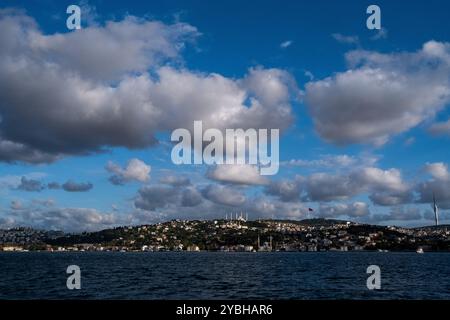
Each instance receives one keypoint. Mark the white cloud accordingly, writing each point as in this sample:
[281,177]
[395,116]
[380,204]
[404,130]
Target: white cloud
[286,44]
[328,187]
[269,208]
[334,161]
[355,209]
[398,213]
[67,219]
[438,170]
[73,186]
[438,187]
[107,52]
[286,190]
[385,187]
[379,179]
[237,174]
[440,128]
[14,181]
[175,180]
[309,75]
[380,34]
[136,170]
[30,185]
[224,195]
[154,197]
[345,39]
[381,95]
[110,85]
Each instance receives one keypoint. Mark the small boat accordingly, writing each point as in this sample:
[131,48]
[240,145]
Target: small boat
[419,250]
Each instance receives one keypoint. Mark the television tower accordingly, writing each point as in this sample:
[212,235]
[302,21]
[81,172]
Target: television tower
[436,211]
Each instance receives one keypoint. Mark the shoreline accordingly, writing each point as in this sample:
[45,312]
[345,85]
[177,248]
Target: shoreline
[225,252]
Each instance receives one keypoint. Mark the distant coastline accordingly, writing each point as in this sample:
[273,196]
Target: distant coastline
[238,235]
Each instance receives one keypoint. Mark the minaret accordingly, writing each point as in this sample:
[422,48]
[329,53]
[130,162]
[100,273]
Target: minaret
[436,211]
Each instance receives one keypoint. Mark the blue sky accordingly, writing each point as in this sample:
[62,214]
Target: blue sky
[350,148]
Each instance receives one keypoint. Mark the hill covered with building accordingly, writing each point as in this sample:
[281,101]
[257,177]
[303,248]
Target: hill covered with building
[234,235]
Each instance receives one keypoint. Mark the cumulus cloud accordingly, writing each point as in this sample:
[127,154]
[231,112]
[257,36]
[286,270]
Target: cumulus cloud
[269,208]
[398,213]
[191,197]
[14,181]
[67,219]
[438,170]
[44,214]
[53,185]
[440,128]
[107,52]
[178,196]
[211,201]
[223,195]
[438,186]
[282,199]
[391,198]
[329,187]
[381,95]
[72,186]
[175,180]
[34,185]
[13,151]
[43,202]
[334,161]
[285,190]
[107,86]
[136,170]
[355,209]
[30,185]
[154,197]
[441,190]
[237,174]
[385,187]
[379,179]
[89,219]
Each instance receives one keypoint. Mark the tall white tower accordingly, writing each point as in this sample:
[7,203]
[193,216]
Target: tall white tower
[436,211]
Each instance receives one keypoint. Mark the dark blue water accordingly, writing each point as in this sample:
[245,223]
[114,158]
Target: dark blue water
[211,275]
